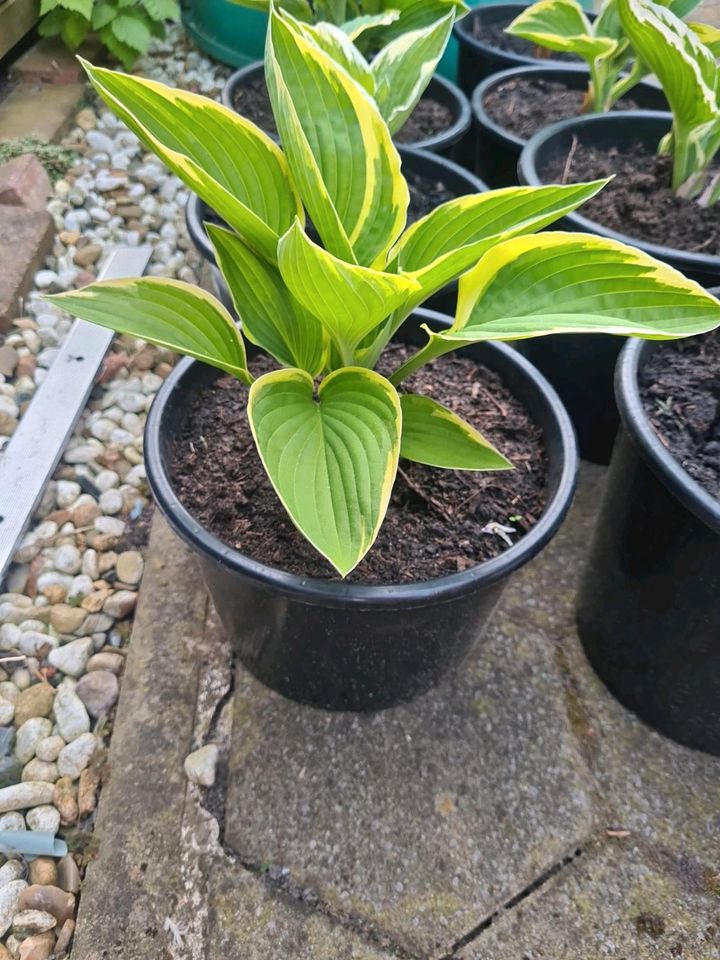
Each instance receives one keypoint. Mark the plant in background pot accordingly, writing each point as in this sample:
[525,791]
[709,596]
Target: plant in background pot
[353,526]
[649,606]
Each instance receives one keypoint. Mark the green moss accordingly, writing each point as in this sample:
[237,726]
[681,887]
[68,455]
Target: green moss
[54,158]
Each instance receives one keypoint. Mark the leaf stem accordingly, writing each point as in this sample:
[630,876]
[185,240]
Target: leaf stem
[434,348]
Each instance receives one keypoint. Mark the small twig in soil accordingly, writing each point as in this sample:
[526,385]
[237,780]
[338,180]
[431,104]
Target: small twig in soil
[706,243]
[429,500]
[569,160]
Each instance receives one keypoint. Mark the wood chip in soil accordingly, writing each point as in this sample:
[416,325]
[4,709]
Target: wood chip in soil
[437,522]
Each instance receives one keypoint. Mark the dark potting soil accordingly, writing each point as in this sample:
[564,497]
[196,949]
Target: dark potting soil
[524,106]
[493,35]
[430,117]
[639,201]
[680,390]
[437,521]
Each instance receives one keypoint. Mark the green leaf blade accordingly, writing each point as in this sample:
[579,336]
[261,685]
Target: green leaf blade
[332,461]
[434,435]
[165,312]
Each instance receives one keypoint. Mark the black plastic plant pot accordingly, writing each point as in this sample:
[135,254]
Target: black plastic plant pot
[477,58]
[602,131]
[344,646]
[448,143]
[430,166]
[649,607]
[497,149]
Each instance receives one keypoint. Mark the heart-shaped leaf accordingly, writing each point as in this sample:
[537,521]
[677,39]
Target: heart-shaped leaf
[332,460]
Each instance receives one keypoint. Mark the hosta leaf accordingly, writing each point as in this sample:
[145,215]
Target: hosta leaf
[404,67]
[228,161]
[348,299]
[163,9]
[577,283]
[434,435]
[414,15]
[685,68]
[561,25]
[452,238]
[332,460]
[168,313]
[132,31]
[708,35]
[271,317]
[342,158]
[336,43]
[358,25]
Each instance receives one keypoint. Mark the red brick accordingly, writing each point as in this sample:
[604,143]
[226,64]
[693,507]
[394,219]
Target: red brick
[24,183]
[47,62]
[25,240]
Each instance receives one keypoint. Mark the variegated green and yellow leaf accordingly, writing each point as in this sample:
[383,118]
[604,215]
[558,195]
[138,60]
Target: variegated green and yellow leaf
[339,149]
[404,67]
[561,25]
[434,435]
[331,459]
[336,43]
[453,237]
[414,15]
[179,316]
[356,27]
[349,300]
[708,35]
[271,317]
[228,161]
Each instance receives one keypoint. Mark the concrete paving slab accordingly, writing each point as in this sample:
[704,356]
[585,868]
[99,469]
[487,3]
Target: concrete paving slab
[39,110]
[422,820]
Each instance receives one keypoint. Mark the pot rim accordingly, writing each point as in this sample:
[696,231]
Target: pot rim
[193,207]
[314,590]
[528,174]
[693,496]
[462,34]
[442,140]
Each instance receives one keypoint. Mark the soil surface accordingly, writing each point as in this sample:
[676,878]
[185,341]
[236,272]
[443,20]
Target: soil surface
[639,201]
[493,35]
[680,389]
[524,106]
[437,519]
[429,117]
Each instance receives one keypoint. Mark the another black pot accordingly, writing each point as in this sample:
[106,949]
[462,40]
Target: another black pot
[478,59]
[606,130]
[649,607]
[344,646]
[457,179]
[497,150]
[448,143]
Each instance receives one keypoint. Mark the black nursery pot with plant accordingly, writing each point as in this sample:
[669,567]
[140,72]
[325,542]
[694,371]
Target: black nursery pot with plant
[648,610]
[347,646]
[502,132]
[451,141]
[484,48]
[589,398]
[419,167]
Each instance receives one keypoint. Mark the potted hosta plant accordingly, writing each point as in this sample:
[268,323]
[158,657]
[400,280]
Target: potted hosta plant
[663,197]
[353,525]
[422,109]
[649,606]
[510,106]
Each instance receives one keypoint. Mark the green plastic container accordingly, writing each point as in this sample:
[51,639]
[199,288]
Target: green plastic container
[236,35]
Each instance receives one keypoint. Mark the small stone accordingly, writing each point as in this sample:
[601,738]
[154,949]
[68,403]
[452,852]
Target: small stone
[87,790]
[120,604]
[36,701]
[54,593]
[10,771]
[66,493]
[82,585]
[22,679]
[77,755]
[49,748]
[99,691]
[200,765]
[44,279]
[84,514]
[45,818]
[12,870]
[39,947]
[68,874]
[111,502]
[42,870]
[32,643]
[106,562]
[40,770]
[93,603]
[9,896]
[29,922]
[70,713]
[28,736]
[110,526]
[65,800]
[130,566]
[60,904]
[88,255]
[105,660]
[20,796]
[72,657]
[7,712]
[66,619]
[86,119]
[95,623]
[67,559]
[90,564]
[64,940]
[8,360]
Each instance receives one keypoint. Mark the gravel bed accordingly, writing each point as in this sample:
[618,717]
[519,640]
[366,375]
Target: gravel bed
[66,606]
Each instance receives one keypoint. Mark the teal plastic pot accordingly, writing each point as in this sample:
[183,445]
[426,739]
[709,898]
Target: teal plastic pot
[227,31]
